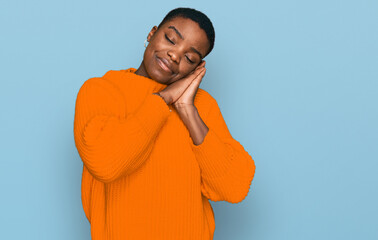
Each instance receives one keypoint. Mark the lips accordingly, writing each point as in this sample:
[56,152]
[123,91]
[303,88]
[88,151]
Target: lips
[164,64]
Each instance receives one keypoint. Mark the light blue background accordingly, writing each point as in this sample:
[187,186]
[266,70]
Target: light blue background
[296,82]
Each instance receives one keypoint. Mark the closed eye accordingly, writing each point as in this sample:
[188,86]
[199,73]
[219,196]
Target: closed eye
[189,60]
[169,39]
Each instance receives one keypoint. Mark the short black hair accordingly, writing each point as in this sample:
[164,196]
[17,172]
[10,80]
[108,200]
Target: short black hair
[198,17]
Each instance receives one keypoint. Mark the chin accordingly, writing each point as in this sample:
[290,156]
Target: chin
[157,76]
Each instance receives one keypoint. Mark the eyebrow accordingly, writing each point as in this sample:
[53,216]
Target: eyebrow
[178,33]
[192,48]
[196,51]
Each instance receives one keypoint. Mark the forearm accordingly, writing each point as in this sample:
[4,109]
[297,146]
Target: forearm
[192,120]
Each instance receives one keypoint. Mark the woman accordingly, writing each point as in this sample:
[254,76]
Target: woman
[155,147]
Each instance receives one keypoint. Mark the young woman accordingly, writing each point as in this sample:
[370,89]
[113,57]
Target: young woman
[155,147]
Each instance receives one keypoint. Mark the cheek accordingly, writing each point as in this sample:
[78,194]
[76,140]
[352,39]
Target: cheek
[187,69]
[148,59]
[183,73]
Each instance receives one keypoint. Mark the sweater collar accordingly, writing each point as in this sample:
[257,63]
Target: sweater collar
[148,82]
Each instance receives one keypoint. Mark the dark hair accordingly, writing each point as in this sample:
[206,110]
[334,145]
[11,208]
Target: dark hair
[198,17]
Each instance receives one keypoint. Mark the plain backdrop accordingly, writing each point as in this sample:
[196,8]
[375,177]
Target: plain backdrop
[296,82]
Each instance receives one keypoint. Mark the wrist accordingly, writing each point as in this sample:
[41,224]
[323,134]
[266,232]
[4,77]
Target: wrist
[179,105]
[163,97]
[166,97]
[184,108]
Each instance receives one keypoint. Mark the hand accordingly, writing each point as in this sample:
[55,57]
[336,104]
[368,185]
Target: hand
[187,97]
[189,84]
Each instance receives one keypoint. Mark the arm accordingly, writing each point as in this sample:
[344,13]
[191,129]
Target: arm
[227,169]
[111,144]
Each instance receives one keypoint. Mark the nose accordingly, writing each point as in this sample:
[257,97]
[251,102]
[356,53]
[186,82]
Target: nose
[174,56]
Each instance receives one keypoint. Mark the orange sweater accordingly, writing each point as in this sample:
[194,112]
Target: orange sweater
[143,178]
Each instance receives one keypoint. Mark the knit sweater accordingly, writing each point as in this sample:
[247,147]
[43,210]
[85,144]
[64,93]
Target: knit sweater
[143,177]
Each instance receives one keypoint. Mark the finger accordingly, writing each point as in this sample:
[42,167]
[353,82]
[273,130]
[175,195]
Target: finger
[202,64]
[195,82]
[193,75]
[201,71]
[189,80]
[198,79]
[201,75]
[199,66]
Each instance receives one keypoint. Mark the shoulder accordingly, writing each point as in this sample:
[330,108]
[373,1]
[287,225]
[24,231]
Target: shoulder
[106,79]
[97,94]
[104,85]
[115,77]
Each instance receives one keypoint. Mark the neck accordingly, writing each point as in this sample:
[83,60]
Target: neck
[142,71]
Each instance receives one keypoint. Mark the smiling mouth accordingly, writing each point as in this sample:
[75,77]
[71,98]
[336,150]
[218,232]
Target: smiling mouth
[163,65]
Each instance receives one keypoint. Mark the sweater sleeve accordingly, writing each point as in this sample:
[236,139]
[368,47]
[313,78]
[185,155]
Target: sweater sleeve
[109,143]
[227,169]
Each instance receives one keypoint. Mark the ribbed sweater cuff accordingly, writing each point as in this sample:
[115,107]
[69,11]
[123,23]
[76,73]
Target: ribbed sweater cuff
[214,157]
[153,113]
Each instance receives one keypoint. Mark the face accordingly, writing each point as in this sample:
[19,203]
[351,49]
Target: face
[174,50]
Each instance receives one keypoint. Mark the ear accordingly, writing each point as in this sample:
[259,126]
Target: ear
[151,33]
